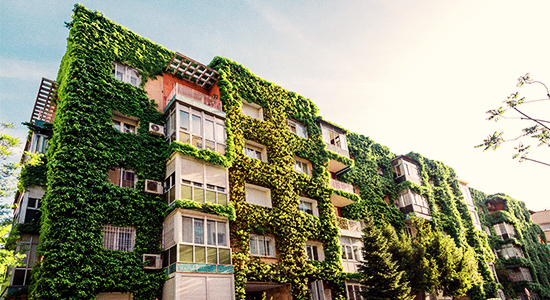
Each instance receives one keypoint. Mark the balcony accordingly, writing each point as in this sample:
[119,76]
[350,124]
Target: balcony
[338,200]
[339,150]
[350,225]
[183,93]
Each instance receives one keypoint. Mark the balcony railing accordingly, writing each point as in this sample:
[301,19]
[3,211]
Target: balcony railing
[346,187]
[193,95]
[338,150]
[350,225]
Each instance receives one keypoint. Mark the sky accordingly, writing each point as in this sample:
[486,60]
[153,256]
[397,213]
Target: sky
[411,75]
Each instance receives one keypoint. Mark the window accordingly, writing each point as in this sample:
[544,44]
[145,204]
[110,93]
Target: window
[353,290]
[302,166]
[124,123]
[262,245]
[474,215]
[314,251]
[466,193]
[203,182]
[351,248]
[253,110]
[33,207]
[509,251]
[519,274]
[205,241]
[412,202]
[28,245]
[255,150]
[127,74]
[297,128]
[122,177]
[258,195]
[195,127]
[505,230]
[118,238]
[308,206]
[39,143]
[402,167]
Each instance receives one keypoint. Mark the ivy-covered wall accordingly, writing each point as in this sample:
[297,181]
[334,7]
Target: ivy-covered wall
[529,237]
[79,200]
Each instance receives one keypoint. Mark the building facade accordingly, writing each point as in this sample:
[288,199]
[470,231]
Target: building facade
[167,178]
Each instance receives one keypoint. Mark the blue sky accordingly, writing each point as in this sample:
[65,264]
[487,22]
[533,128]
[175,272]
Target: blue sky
[413,76]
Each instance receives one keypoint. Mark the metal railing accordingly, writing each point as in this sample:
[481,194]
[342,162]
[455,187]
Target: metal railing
[193,95]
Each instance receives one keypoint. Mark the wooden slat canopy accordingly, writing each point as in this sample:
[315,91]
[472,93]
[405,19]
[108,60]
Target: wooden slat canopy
[44,107]
[193,71]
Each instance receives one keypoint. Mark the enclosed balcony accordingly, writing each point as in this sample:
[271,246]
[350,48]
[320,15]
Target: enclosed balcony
[411,203]
[335,139]
[186,94]
[405,168]
[349,228]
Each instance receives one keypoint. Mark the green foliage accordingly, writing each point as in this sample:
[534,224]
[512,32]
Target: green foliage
[79,200]
[382,279]
[227,211]
[7,170]
[529,237]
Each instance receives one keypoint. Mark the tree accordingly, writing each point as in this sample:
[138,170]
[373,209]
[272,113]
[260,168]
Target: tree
[8,257]
[539,131]
[381,278]
[433,262]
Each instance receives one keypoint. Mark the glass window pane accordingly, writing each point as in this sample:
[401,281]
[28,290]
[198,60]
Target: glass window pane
[222,234]
[173,254]
[315,254]
[357,253]
[198,194]
[118,75]
[185,138]
[211,232]
[184,120]
[198,231]
[210,196]
[222,199]
[187,230]
[200,255]
[210,145]
[261,245]
[258,155]
[128,179]
[208,129]
[186,192]
[349,252]
[116,125]
[221,149]
[18,277]
[129,128]
[197,125]
[197,142]
[309,252]
[212,256]
[186,253]
[220,133]
[253,245]
[225,256]
[270,246]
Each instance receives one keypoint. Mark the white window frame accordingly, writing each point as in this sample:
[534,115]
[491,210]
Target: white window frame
[466,193]
[189,134]
[335,138]
[26,264]
[197,245]
[262,189]
[297,128]
[126,74]
[254,107]
[312,247]
[111,238]
[509,250]
[256,251]
[257,149]
[504,228]
[314,209]
[39,143]
[124,120]
[407,169]
[355,287]
[411,198]
[302,166]
[351,246]
[121,172]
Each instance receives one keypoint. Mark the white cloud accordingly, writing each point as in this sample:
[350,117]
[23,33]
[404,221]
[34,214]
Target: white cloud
[26,70]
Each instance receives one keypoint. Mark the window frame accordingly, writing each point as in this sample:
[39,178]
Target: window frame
[31,246]
[257,149]
[205,219]
[112,242]
[121,172]
[314,209]
[264,238]
[355,287]
[255,107]
[124,120]
[126,73]
[265,190]
[318,248]
[354,245]
[175,130]
[297,128]
[39,143]
[303,163]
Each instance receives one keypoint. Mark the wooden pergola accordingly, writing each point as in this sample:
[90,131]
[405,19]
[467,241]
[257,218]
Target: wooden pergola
[44,106]
[192,70]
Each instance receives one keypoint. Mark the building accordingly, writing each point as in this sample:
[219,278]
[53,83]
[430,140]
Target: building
[542,218]
[166,177]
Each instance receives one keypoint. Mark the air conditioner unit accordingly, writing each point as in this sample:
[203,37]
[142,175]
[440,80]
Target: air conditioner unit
[156,129]
[153,187]
[152,261]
